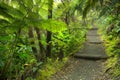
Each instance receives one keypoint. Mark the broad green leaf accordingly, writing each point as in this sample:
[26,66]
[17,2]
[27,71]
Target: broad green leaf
[53,25]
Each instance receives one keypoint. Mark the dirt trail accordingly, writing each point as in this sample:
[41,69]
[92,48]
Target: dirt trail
[87,63]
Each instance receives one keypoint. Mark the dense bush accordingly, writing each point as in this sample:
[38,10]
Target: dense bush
[110,29]
[24,39]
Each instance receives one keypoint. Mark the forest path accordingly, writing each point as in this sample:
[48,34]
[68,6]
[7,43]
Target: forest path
[87,64]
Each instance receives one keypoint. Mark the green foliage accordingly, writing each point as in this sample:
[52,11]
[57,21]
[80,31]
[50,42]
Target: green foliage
[112,40]
[110,7]
[50,68]
[53,25]
[17,17]
[113,63]
[70,40]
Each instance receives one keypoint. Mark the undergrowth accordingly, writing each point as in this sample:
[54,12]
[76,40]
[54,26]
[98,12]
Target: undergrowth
[50,68]
[112,44]
[113,63]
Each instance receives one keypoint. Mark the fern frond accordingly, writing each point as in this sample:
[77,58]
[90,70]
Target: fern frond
[3,22]
[4,14]
[10,12]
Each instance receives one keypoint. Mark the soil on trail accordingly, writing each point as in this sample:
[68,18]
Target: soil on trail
[87,64]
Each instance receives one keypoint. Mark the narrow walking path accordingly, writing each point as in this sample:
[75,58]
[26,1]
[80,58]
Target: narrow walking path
[87,63]
[93,47]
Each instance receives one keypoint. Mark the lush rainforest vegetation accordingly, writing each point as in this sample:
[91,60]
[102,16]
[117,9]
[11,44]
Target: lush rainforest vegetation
[37,37]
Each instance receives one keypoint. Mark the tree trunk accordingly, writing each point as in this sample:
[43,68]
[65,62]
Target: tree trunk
[49,34]
[34,49]
[67,18]
[41,52]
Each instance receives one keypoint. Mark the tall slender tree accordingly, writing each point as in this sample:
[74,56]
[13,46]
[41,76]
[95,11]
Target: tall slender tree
[49,34]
